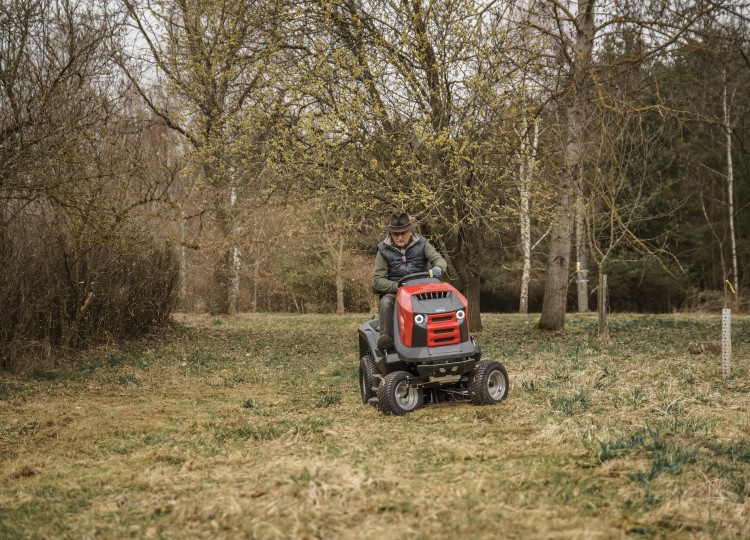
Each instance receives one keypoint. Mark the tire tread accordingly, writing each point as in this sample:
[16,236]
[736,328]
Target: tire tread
[386,394]
[478,393]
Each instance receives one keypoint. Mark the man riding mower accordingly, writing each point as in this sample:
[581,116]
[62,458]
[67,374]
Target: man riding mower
[428,354]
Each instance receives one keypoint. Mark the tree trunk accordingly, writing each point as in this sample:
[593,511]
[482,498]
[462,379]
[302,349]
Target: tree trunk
[602,296]
[582,271]
[556,286]
[526,172]
[730,188]
[219,297]
[256,275]
[340,275]
[234,288]
[471,292]
[219,301]
[256,254]
[466,261]
[183,264]
[523,307]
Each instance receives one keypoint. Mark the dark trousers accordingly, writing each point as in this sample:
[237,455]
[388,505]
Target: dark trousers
[385,314]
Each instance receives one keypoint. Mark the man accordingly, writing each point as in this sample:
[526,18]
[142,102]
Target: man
[403,252]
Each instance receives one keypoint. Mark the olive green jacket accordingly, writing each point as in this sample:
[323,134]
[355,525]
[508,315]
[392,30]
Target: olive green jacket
[381,283]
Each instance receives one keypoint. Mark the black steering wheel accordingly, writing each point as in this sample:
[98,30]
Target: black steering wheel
[412,276]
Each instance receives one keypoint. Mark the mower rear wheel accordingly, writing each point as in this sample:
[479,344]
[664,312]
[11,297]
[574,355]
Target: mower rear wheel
[396,396]
[367,372]
[488,383]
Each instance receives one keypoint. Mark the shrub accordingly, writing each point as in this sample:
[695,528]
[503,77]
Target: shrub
[77,286]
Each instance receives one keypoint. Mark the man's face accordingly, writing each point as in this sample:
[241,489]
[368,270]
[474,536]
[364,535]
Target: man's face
[401,239]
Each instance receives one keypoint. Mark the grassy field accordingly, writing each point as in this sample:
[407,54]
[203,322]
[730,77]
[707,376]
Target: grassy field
[252,426]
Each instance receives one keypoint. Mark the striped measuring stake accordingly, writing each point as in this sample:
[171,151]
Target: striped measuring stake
[726,341]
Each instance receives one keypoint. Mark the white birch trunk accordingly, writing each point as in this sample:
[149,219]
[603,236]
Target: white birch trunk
[234,283]
[525,242]
[582,271]
[730,187]
[256,263]
[256,275]
[526,171]
[183,264]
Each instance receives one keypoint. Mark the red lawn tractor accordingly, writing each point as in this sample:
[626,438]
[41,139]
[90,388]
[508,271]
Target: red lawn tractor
[434,357]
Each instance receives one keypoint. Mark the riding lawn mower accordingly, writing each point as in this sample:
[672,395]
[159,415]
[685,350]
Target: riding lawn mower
[434,357]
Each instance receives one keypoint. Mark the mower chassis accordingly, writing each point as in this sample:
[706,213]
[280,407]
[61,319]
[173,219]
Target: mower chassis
[429,367]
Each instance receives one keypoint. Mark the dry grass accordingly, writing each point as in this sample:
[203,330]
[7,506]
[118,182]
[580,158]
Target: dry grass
[252,426]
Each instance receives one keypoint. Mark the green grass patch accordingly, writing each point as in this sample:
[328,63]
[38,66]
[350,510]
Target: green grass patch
[572,404]
[252,426]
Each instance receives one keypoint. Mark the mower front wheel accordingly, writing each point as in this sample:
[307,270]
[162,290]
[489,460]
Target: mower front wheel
[488,383]
[396,396]
[367,384]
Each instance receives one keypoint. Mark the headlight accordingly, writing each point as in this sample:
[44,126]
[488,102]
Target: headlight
[419,319]
[460,314]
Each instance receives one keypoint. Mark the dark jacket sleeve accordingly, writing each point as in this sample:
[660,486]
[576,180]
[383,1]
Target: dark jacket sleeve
[434,257]
[380,282]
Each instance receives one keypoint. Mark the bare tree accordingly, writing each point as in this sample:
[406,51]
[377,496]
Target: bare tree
[578,95]
[215,60]
[421,89]
[656,28]
[623,185]
[80,244]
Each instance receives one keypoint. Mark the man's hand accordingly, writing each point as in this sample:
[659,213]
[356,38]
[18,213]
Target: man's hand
[436,272]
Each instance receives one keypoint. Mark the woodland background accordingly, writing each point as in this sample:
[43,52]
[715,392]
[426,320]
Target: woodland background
[219,156]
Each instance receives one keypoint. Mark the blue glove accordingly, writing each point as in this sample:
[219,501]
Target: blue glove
[436,272]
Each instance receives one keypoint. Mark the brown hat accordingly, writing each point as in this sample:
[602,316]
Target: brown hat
[400,222]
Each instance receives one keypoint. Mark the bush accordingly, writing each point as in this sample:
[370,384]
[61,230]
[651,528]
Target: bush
[77,286]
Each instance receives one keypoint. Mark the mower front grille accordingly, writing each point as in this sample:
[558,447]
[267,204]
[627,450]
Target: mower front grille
[442,329]
[433,295]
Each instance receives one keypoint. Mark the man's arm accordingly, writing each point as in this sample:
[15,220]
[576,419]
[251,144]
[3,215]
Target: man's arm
[434,257]
[380,282]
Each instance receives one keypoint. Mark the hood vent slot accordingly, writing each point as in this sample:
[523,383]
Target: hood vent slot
[433,295]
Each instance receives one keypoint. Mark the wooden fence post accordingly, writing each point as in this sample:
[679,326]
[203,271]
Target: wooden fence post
[601,304]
